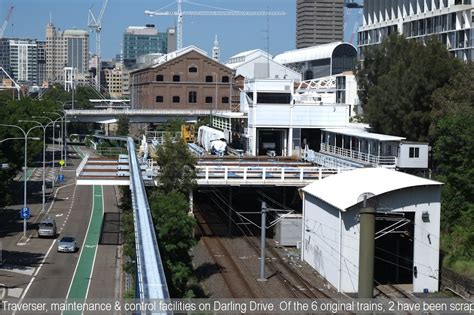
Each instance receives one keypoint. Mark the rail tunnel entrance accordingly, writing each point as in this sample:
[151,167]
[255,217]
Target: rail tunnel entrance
[393,262]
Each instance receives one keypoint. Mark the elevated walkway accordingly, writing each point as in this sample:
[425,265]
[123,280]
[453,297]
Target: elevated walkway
[134,115]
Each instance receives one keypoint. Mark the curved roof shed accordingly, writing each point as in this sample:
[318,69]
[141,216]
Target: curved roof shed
[338,56]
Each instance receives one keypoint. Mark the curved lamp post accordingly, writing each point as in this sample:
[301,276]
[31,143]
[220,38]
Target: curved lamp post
[25,134]
[44,156]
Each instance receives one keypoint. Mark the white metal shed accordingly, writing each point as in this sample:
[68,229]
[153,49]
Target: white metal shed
[330,232]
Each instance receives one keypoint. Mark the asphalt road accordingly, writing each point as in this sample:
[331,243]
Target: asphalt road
[34,269]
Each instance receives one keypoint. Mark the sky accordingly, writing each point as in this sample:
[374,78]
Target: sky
[235,34]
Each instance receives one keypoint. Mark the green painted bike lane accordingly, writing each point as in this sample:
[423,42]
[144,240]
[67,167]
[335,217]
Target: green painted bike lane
[83,273]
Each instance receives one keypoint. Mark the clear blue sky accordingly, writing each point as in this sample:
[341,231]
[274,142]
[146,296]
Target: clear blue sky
[235,34]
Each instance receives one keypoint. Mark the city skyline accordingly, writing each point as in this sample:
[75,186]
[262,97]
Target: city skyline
[235,34]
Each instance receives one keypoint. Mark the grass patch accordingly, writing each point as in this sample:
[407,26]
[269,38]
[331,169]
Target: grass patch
[464,267]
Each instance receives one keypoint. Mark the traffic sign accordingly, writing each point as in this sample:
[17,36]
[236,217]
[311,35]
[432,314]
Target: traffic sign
[61,178]
[61,162]
[25,213]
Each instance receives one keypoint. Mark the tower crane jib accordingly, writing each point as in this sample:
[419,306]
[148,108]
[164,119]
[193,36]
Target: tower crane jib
[95,25]
[180,14]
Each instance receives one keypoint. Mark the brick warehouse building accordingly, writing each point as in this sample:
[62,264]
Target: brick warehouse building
[184,79]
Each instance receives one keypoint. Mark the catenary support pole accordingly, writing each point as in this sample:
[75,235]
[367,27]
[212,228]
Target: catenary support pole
[366,251]
[262,242]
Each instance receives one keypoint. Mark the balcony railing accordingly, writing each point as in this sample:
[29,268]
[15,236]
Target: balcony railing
[375,160]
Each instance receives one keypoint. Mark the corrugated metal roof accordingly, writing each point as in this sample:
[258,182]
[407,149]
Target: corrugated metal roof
[343,190]
[309,53]
[363,134]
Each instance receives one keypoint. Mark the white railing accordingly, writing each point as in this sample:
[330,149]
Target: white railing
[158,137]
[81,165]
[375,160]
[261,175]
[131,112]
[329,161]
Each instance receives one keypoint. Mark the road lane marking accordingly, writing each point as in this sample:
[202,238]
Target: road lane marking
[20,243]
[45,256]
[82,274]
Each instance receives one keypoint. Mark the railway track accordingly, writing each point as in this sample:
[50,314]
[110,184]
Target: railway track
[292,279]
[233,277]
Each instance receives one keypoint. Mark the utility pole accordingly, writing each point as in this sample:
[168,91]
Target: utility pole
[366,250]
[262,242]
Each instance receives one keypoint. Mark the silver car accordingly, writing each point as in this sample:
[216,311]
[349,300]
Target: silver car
[47,228]
[67,244]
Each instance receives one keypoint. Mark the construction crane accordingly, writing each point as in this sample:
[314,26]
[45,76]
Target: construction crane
[95,25]
[180,14]
[5,23]
[13,83]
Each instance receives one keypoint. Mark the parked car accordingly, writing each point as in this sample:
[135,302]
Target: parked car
[67,244]
[47,228]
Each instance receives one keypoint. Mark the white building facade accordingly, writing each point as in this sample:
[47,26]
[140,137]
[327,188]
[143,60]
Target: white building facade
[451,21]
[24,60]
[407,228]
[258,64]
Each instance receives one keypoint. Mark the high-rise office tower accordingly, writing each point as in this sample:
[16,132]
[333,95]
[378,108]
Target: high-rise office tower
[451,21]
[143,40]
[319,22]
[66,49]
[24,60]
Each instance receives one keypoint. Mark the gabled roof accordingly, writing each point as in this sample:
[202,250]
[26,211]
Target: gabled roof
[309,53]
[177,53]
[344,189]
[241,57]
[158,62]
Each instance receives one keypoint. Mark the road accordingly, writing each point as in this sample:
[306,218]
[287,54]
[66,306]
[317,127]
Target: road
[34,269]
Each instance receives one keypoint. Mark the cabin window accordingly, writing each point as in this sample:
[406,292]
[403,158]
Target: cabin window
[209,78]
[159,77]
[192,97]
[159,99]
[273,98]
[192,69]
[175,99]
[414,152]
[176,78]
[208,99]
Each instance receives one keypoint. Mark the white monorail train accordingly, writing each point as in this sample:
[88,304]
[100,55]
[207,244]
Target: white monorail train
[212,140]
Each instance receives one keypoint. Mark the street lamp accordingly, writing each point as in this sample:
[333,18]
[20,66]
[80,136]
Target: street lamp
[25,134]
[53,122]
[63,131]
[44,156]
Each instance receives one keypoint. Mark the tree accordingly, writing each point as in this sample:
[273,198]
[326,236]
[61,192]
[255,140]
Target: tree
[174,229]
[453,129]
[397,81]
[122,126]
[177,171]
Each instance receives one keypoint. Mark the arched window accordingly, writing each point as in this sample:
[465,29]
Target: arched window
[192,69]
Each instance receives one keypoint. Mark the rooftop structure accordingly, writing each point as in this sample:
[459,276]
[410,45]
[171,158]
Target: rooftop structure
[258,64]
[320,61]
